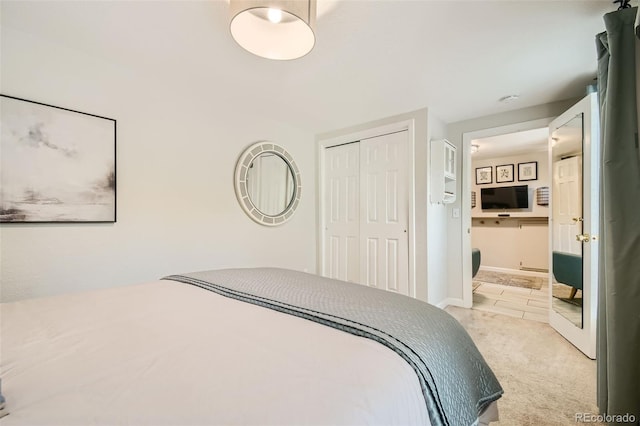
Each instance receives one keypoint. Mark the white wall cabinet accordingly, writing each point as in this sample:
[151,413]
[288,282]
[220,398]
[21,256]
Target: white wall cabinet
[443,172]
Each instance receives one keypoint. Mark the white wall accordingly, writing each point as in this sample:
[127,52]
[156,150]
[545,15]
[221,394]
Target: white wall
[512,243]
[455,132]
[534,209]
[436,230]
[176,154]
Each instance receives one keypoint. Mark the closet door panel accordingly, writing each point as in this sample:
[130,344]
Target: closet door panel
[371,262]
[383,171]
[341,259]
[392,266]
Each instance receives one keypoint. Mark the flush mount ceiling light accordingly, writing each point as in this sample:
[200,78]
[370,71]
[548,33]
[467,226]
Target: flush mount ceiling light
[274,29]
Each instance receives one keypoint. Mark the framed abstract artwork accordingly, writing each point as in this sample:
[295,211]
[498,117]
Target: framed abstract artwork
[57,165]
[484,175]
[504,173]
[528,171]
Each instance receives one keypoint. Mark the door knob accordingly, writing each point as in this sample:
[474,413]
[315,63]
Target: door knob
[584,238]
[577,219]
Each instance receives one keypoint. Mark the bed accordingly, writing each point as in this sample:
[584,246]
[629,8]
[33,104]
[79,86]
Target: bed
[240,347]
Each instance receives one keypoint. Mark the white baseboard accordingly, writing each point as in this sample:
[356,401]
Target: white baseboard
[451,301]
[514,271]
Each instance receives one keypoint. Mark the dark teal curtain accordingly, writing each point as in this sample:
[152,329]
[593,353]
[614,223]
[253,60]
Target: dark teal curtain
[618,355]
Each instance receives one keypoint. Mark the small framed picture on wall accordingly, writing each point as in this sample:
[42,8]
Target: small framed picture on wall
[504,173]
[528,171]
[484,175]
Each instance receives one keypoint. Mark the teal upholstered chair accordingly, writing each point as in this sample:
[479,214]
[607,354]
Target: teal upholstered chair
[475,261]
[567,269]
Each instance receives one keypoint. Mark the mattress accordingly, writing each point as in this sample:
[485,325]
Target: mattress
[166,353]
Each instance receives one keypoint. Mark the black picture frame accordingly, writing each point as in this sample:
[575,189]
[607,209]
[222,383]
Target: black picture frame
[58,164]
[528,171]
[484,175]
[504,173]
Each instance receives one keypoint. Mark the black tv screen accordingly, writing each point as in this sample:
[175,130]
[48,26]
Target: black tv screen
[505,197]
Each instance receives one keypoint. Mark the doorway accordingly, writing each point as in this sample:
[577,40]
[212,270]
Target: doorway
[509,223]
[469,177]
[578,127]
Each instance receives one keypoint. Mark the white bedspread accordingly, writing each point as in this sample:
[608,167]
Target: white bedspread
[166,353]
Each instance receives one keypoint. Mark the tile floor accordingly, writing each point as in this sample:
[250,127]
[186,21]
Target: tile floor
[516,302]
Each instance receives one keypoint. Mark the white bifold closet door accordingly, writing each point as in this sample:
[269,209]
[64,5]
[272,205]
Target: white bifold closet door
[342,212]
[366,212]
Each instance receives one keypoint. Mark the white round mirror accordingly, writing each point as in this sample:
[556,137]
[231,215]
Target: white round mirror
[267,183]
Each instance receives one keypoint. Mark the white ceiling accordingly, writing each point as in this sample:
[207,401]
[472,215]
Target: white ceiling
[372,58]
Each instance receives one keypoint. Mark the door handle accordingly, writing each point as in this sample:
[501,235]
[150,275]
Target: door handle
[577,219]
[583,238]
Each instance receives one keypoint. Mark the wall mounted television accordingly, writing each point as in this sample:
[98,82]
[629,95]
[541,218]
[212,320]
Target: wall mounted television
[505,197]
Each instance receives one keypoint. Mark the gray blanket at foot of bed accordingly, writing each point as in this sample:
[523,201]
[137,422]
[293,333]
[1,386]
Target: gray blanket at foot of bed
[456,382]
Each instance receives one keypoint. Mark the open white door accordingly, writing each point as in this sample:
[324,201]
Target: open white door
[573,271]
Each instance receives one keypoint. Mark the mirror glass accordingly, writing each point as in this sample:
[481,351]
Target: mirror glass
[567,232]
[270,183]
[267,183]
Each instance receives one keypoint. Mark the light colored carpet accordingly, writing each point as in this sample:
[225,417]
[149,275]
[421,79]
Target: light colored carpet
[546,380]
